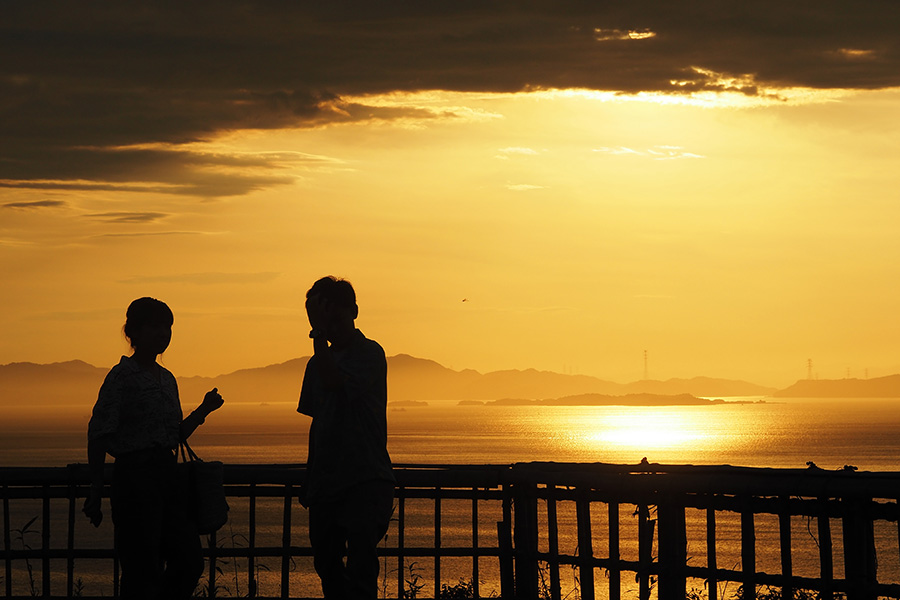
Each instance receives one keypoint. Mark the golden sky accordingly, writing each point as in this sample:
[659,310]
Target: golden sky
[506,186]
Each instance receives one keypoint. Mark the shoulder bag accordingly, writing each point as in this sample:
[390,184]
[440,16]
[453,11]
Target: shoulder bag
[207,505]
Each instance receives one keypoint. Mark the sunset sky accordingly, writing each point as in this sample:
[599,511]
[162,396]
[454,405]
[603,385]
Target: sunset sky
[557,185]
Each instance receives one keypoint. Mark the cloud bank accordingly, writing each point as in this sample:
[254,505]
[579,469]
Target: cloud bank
[107,96]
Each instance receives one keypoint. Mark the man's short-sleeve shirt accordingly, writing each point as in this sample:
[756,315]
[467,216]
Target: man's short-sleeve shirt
[348,434]
[139,409]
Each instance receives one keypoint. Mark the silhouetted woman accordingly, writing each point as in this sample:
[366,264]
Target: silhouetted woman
[138,420]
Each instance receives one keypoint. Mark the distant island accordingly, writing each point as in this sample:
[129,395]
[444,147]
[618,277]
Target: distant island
[406,404]
[605,400]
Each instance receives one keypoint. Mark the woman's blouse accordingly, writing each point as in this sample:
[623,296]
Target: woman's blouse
[140,409]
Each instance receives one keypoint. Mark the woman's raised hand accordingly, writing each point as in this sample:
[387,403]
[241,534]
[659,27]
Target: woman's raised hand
[212,401]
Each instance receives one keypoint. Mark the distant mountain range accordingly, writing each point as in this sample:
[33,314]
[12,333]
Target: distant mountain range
[878,387]
[75,384]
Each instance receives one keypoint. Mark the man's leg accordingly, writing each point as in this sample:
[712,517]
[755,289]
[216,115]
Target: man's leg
[369,509]
[328,539]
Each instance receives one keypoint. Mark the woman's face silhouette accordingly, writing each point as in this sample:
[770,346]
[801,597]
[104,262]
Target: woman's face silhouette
[153,338]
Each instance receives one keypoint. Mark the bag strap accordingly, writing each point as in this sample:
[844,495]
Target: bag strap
[187,453]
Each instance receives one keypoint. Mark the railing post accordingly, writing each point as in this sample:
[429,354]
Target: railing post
[585,544]
[826,560]
[672,549]
[645,550]
[784,535]
[7,543]
[712,580]
[504,539]
[212,544]
[859,549]
[748,549]
[437,540]
[252,583]
[615,572]
[70,541]
[475,569]
[401,532]
[286,542]
[45,542]
[525,539]
[553,543]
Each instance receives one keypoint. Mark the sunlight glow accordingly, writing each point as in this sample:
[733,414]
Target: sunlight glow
[606,35]
[644,429]
[641,35]
[712,90]
[856,53]
[658,153]
[645,436]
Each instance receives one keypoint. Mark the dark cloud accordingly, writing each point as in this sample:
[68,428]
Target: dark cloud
[78,81]
[35,204]
[148,234]
[128,217]
[166,171]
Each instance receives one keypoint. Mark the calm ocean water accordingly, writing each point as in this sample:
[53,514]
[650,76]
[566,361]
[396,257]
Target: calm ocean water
[783,433]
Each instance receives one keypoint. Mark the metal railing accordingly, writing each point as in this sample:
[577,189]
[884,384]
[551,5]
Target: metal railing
[527,530]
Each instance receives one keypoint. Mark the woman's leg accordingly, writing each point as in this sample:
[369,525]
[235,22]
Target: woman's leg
[180,543]
[137,512]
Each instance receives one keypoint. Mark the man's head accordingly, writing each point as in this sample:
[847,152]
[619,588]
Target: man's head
[337,302]
[334,291]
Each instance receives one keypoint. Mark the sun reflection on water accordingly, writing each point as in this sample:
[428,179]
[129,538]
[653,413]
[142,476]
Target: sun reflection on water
[639,428]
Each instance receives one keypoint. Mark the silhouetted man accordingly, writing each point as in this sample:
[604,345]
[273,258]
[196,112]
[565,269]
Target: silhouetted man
[349,480]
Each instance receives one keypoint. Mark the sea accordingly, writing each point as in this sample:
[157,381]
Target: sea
[747,431]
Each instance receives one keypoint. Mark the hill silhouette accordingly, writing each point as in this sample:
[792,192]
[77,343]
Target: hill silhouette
[74,384]
[58,383]
[878,387]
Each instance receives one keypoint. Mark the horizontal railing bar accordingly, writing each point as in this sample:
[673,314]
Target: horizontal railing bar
[233,491]
[56,553]
[775,506]
[218,595]
[801,507]
[721,575]
[258,551]
[412,552]
[620,480]
[722,477]
[707,471]
[797,507]
[718,479]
